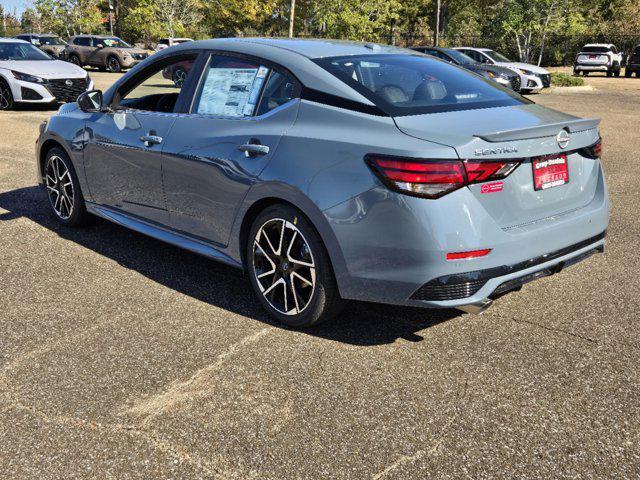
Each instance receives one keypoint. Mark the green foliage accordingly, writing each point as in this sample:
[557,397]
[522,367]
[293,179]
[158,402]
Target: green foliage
[560,79]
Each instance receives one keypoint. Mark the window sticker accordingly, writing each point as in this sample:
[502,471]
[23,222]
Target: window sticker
[231,92]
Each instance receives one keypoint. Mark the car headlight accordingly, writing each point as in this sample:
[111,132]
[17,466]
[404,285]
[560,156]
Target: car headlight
[491,74]
[25,77]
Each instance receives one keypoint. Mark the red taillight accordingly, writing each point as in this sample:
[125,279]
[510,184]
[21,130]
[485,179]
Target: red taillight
[469,254]
[421,178]
[435,178]
[486,171]
[597,148]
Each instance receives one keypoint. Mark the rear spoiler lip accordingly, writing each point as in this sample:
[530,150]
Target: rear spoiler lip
[540,131]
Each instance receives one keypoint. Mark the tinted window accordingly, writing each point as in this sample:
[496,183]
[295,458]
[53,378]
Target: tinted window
[51,41]
[412,84]
[280,88]
[460,57]
[231,87]
[82,41]
[595,49]
[21,51]
[637,51]
[159,90]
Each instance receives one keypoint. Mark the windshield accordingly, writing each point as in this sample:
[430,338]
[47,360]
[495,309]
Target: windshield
[21,51]
[588,49]
[415,84]
[496,56]
[460,57]
[113,42]
[50,41]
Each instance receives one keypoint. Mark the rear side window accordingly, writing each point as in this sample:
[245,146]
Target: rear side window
[412,84]
[82,41]
[280,88]
[231,87]
[595,49]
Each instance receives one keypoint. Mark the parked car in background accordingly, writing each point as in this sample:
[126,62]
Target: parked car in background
[598,57]
[47,42]
[334,170]
[29,75]
[633,63]
[501,75]
[177,72]
[532,77]
[169,42]
[103,51]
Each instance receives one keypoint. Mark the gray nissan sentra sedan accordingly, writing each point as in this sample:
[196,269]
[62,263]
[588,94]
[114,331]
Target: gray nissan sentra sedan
[333,170]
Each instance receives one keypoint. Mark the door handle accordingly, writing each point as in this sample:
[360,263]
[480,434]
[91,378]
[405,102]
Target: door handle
[253,149]
[150,139]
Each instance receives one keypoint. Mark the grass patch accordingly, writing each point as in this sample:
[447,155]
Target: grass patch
[559,79]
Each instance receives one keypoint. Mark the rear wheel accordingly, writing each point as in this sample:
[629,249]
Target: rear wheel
[289,268]
[6,97]
[113,64]
[63,189]
[585,73]
[627,73]
[609,73]
[617,73]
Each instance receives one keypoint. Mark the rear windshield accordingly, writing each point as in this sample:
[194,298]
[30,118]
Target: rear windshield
[415,84]
[595,49]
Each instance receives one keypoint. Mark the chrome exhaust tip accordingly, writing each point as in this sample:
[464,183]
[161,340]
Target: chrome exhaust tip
[477,307]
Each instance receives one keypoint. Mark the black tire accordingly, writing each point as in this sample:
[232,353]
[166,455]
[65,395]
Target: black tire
[78,211]
[298,239]
[75,59]
[627,73]
[609,73]
[617,73]
[178,76]
[6,97]
[113,64]
[638,74]
[585,73]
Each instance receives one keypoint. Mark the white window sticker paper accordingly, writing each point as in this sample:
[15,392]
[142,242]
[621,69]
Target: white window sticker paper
[231,92]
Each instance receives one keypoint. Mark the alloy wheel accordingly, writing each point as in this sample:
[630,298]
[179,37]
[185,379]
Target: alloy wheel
[179,76]
[284,266]
[5,97]
[59,187]
[113,64]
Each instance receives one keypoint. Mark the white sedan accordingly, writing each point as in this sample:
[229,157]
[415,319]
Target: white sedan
[532,77]
[28,75]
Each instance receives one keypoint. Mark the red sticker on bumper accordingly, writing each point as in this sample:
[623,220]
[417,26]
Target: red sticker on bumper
[491,187]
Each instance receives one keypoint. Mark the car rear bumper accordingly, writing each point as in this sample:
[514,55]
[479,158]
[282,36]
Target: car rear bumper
[591,68]
[394,246]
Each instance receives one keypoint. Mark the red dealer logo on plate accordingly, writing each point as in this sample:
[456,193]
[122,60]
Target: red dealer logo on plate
[491,187]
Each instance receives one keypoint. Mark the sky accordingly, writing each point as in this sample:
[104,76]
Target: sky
[19,5]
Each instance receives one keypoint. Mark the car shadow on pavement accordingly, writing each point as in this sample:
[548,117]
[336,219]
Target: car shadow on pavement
[360,323]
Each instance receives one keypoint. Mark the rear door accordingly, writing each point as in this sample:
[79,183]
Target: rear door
[214,154]
[123,158]
[82,47]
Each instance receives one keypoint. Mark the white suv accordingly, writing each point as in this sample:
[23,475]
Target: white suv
[598,57]
[532,77]
[29,75]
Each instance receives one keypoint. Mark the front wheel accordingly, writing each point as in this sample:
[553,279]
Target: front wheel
[113,65]
[63,189]
[627,73]
[289,268]
[6,97]
[75,60]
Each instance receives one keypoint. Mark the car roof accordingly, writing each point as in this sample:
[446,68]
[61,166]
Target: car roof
[473,48]
[310,48]
[599,45]
[39,34]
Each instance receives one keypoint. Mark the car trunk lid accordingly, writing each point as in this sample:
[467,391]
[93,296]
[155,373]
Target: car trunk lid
[524,133]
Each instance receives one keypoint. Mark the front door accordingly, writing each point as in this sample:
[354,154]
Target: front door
[123,157]
[214,154]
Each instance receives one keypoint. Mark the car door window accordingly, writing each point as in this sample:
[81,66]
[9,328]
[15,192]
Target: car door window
[231,87]
[159,90]
[280,88]
[82,42]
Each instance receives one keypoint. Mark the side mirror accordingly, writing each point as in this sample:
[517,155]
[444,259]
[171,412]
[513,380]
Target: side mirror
[91,101]
[99,46]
